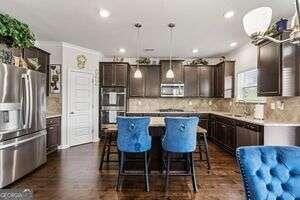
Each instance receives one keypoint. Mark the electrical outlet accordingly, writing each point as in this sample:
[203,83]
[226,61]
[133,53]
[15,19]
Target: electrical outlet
[190,103]
[139,103]
[210,103]
[273,106]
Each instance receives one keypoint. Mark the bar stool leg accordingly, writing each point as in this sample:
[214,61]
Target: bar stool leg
[193,172]
[120,171]
[103,152]
[199,147]
[146,171]
[207,153]
[167,172]
[108,150]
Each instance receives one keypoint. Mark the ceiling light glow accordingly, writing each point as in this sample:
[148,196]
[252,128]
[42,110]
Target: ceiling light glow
[104,13]
[122,50]
[233,44]
[229,14]
[195,51]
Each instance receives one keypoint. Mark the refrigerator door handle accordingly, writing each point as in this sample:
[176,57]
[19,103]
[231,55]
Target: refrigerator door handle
[17,143]
[27,97]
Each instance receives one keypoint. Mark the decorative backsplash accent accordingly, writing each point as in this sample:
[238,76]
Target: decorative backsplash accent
[290,113]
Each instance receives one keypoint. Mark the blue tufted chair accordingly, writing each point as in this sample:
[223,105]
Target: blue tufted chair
[270,172]
[180,137]
[133,137]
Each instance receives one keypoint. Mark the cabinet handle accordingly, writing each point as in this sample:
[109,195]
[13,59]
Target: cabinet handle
[51,128]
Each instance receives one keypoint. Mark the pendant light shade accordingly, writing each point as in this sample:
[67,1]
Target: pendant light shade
[138,73]
[170,73]
[257,21]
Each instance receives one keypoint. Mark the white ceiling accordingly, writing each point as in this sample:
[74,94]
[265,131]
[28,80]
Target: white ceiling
[199,23]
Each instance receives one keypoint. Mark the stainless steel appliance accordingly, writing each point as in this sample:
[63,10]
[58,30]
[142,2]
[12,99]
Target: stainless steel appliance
[113,104]
[22,122]
[172,90]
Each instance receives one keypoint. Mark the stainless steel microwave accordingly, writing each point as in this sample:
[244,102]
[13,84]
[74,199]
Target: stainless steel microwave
[172,90]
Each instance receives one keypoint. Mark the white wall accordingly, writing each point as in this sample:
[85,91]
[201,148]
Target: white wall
[65,54]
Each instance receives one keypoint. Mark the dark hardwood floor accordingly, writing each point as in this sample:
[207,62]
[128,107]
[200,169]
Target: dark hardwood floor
[74,174]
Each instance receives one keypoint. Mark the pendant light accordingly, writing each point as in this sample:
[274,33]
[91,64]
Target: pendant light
[138,73]
[170,73]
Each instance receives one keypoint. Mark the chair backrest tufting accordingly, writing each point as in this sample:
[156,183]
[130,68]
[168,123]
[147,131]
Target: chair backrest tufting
[270,172]
[181,134]
[133,134]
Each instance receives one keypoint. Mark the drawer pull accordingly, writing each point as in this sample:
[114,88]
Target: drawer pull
[51,128]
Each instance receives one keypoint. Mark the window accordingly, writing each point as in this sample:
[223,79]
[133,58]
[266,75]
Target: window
[247,87]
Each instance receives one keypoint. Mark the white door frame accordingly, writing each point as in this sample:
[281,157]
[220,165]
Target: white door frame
[65,137]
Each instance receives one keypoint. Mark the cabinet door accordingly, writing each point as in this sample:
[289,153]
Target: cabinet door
[152,82]
[206,81]
[137,85]
[191,81]
[108,74]
[177,69]
[220,133]
[52,137]
[230,137]
[269,69]
[247,137]
[121,75]
[220,81]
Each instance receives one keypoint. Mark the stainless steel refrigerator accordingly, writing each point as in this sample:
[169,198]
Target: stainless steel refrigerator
[22,122]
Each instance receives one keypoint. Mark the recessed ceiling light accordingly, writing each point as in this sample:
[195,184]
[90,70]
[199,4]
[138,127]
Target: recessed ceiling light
[122,50]
[229,14]
[233,44]
[195,51]
[104,13]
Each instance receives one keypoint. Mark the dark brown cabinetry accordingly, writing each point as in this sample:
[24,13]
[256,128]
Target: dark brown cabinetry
[191,81]
[248,134]
[206,81]
[148,85]
[278,69]
[230,133]
[53,133]
[113,74]
[224,80]
[42,56]
[177,68]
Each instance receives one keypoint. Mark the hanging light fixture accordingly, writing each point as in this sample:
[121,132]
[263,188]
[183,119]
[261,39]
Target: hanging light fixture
[138,73]
[257,21]
[170,73]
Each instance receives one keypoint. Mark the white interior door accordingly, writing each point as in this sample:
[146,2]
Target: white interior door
[80,112]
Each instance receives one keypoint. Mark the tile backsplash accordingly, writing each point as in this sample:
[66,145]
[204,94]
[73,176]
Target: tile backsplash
[289,112]
[54,104]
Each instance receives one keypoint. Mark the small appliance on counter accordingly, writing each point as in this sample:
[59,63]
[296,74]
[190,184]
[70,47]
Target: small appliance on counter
[259,111]
[172,90]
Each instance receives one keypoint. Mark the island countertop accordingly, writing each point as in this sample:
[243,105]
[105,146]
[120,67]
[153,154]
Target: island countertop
[218,113]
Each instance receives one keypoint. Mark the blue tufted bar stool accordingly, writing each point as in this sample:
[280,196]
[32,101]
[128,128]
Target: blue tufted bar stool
[133,137]
[270,172]
[180,138]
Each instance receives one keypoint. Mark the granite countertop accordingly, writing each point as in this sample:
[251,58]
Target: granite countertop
[228,115]
[53,115]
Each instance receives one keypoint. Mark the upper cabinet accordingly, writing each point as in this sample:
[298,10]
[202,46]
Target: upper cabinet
[278,69]
[206,81]
[177,68]
[113,74]
[148,85]
[34,53]
[191,80]
[224,80]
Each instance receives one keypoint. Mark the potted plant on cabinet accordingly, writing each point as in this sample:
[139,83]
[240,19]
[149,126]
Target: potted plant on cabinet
[13,33]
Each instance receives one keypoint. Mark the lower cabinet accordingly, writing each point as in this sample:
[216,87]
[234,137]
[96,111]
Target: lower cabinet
[53,133]
[229,133]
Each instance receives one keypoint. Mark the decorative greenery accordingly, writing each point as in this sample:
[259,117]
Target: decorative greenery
[199,61]
[14,33]
[144,61]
